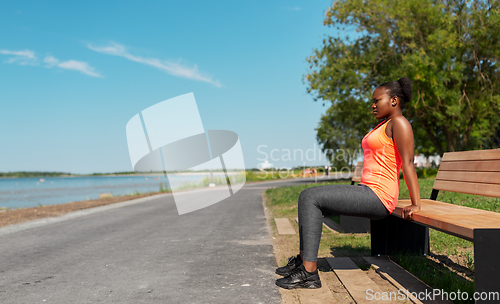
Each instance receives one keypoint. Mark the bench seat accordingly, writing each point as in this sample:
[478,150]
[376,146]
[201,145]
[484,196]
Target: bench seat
[452,219]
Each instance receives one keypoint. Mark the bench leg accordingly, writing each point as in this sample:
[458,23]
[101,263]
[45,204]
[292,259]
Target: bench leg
[354,224]
[486,266]
[394,235]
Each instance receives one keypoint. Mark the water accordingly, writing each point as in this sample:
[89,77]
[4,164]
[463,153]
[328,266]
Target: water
[31,192]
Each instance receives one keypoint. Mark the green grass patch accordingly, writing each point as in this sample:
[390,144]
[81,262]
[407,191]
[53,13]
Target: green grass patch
[351,245]
[335,218]
[284,200]
[425,185]
[436,275]
[271,174]
[447,244]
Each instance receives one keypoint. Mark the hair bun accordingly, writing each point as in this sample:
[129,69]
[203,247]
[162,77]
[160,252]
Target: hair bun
[405,83]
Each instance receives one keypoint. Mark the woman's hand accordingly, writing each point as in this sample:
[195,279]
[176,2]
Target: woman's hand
[407,212]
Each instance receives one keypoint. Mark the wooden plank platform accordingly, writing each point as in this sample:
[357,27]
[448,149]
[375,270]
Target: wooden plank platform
[284,226]
[402,279]
[354,279]
[316,296]
[328,223]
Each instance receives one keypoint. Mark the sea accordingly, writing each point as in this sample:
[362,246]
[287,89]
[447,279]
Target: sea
[31,192]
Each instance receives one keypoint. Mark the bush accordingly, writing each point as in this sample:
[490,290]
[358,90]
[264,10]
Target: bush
[423,172]
[426,172]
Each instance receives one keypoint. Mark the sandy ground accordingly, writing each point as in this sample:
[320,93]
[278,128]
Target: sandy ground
[17,216]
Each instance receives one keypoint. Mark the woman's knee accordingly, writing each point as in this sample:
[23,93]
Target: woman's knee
[305,197]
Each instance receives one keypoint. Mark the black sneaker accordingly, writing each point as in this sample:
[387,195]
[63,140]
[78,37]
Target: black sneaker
[300,278]
[293,263]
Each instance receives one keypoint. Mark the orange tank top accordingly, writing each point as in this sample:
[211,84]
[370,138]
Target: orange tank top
[381,166]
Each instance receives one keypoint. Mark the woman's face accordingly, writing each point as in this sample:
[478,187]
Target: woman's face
[381,103]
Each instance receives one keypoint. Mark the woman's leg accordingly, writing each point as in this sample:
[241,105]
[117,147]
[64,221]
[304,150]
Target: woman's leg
[354,200]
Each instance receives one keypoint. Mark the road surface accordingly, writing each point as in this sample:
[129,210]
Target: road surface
[146,253]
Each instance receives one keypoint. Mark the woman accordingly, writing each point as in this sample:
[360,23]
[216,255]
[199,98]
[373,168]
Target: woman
[386,149]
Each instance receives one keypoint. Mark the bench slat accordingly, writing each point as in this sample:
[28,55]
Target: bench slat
[473,177]
[357,172]
[472,155]
[492,190]
[458,220]
[477,166]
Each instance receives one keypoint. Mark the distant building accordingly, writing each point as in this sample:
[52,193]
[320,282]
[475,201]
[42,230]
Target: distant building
[422,161]
[264,165]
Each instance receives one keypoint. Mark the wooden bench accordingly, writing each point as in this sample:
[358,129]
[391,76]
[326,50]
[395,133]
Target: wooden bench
[470,172]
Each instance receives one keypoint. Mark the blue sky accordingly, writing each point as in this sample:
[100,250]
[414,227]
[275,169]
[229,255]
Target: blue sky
[73,73]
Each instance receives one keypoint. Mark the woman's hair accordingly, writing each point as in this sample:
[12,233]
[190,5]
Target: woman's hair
[400,88]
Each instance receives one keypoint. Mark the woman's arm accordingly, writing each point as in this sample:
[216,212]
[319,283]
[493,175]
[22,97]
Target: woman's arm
[403,138]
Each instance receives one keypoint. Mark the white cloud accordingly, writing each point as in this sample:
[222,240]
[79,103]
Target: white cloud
[25,53]
[171,67]
[50,61]
[28,57]
[24,57]
[74,65]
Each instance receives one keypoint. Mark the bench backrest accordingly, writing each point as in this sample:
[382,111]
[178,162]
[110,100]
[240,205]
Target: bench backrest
[470,172]
[356,177]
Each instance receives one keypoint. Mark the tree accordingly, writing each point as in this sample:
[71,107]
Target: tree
[339,132]
[449,49]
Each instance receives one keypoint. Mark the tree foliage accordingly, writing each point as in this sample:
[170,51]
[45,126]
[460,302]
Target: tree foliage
[340,132]
[449,49]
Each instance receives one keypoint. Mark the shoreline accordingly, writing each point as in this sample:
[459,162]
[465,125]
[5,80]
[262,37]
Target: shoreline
[127,175]
[18,216]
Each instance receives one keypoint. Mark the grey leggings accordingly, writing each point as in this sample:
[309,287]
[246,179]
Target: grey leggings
[355,200]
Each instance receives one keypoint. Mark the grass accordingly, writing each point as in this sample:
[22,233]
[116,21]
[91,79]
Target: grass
[432,270]
[336,218]
[206,181]
[271,174]
[436,275]
[446,244]
[164,188]
[351,245]
[286,198]
[136,192]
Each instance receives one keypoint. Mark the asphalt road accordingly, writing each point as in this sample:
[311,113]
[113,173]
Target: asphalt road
[146,253]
